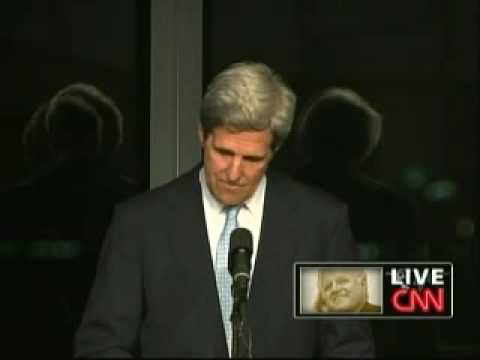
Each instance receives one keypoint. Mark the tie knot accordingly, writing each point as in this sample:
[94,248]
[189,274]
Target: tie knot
[232,211]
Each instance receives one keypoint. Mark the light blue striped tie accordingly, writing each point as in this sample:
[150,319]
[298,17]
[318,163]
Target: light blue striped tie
[223,277]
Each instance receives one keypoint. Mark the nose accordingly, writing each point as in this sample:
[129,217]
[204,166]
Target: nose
[234,169]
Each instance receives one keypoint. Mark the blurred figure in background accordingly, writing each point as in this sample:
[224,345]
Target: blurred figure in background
[58,215]
[337,131]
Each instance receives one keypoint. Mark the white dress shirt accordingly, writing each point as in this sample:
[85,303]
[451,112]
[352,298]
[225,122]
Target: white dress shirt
[249,216]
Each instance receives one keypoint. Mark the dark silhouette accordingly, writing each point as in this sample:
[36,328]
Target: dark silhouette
[56,218]
[337,131]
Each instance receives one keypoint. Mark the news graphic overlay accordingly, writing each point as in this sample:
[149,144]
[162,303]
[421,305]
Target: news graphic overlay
[373,290]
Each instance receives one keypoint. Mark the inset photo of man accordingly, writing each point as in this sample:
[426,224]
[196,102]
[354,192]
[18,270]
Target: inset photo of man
[341,290]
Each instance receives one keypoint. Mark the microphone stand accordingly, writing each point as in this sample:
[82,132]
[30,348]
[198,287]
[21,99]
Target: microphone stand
[241,335]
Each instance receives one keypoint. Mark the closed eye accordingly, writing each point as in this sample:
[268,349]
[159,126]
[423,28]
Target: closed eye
[224,152]
[253,158]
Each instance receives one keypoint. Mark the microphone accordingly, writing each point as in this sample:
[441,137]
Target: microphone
[239,264]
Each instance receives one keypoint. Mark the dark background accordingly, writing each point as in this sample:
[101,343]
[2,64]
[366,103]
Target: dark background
[48,261]
[415,61]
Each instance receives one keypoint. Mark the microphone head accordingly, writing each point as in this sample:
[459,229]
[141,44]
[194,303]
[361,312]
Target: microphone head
[241,247]
[241,238]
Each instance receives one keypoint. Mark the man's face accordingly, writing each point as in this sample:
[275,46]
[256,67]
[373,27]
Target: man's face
[343,290]
[235,162]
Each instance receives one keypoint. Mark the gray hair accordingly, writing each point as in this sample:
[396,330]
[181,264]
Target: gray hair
[249,96]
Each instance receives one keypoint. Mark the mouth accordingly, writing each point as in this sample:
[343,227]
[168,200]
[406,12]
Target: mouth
[339,296]
[230,186]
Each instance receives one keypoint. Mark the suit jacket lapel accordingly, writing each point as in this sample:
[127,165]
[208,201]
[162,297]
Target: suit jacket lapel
[273,267]
[192,252]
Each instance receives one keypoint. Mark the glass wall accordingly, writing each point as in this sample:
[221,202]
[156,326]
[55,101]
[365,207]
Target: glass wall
[74,140]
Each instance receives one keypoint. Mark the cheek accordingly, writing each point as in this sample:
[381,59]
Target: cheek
[216,163]
[254,172]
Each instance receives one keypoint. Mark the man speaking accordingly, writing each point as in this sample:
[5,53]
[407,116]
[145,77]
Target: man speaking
[162,287]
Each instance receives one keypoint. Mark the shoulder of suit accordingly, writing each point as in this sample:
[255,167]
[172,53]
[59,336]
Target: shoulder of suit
[293,190]
[173,192]
[187,186]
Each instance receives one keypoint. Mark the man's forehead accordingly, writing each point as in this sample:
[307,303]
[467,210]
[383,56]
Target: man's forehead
[248,139]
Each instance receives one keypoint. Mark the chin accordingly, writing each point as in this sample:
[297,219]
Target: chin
[345,309]
[342,307]
[230,199]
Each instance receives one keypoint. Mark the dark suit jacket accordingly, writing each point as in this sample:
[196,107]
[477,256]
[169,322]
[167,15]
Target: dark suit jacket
[155,294]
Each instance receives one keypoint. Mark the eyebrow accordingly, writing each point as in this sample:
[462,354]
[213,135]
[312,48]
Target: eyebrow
[226,151]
